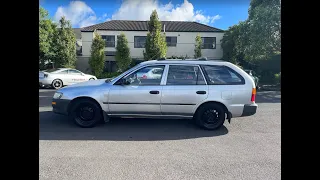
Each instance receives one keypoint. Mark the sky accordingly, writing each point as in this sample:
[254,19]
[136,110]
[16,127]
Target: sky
[216,13]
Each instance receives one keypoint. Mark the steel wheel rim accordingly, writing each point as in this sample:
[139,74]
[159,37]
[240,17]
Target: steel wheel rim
[211,117]
[85,114]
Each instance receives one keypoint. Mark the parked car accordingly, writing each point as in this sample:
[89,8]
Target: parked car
[57,78]
[254,77]
[207,91]
[150,73]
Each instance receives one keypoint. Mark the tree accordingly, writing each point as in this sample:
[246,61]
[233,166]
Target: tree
[96,60]
[46,32]
[156,46]
[256,39]
[197,47]
[234,43]
[123,58]
[265,29]
[65,45]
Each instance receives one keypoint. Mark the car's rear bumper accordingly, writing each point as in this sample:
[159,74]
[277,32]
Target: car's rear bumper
[44,82]
[249,109]
[60,106]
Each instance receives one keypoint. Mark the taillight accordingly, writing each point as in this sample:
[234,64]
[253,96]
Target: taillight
[144,77]
[253,95]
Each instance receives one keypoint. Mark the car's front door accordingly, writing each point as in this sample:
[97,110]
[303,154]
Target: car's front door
[185,87]
[139,96]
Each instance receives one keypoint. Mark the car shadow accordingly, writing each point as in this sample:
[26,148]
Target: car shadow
[57,127]
[268,97]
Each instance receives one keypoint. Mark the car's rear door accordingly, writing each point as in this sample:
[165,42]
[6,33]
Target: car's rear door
[185,87]
[140,97]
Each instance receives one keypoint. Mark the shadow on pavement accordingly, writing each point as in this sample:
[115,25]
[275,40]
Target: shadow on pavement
[58,127]
[268,97]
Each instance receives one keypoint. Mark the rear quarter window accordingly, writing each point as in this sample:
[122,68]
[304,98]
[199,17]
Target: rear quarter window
[222,75]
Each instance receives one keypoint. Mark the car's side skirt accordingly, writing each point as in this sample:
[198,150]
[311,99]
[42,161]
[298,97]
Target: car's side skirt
[150,116]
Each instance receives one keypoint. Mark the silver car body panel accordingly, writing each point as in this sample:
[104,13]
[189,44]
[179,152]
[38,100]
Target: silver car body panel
[172,101]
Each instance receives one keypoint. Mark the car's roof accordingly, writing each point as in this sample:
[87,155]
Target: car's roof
[185,61]
[63,68]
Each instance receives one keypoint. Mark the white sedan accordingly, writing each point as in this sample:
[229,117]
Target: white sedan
[57,78]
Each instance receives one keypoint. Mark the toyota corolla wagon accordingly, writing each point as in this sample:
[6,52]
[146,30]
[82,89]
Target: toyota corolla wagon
[209,92]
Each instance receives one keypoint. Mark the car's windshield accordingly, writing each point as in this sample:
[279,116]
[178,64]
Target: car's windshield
[110,80]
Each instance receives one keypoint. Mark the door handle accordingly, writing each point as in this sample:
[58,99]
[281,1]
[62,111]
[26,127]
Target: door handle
[154,92]
[201,92]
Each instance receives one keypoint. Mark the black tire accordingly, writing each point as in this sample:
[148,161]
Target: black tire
[57,84]
[91,79]
[210,116]
[85,113]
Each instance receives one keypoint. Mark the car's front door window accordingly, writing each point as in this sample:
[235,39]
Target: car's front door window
[146,76]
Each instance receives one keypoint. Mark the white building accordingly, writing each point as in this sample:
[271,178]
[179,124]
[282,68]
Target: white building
[180,36]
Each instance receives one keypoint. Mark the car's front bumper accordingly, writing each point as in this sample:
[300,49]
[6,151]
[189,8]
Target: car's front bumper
[249,109]
[60,106]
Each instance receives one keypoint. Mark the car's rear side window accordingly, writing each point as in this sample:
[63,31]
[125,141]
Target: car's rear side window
[63,72]
[73,71]
[222,75]
[185,75]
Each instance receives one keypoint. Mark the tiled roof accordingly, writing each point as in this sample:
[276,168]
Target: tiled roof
[170,26]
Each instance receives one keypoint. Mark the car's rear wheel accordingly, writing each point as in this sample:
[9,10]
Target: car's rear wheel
[91,79]
[85,113]
[57,84]
[210,116]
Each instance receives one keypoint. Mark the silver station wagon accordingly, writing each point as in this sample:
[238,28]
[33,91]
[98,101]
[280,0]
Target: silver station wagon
[207,91]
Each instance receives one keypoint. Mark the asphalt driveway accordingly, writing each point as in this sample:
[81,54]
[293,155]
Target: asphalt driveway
[248,148]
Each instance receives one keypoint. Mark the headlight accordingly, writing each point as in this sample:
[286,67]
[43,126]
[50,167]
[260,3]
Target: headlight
[57,95]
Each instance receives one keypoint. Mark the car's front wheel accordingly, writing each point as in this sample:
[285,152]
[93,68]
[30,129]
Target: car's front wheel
[85,113]
[57,84]
[210,116]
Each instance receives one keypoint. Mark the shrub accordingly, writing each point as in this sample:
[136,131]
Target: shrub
[108,75]
[277,78]
[123,58]
[96,60]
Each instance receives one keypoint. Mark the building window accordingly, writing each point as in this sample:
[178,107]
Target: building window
[110,40]
[171,41]
[140,41]
[208,43]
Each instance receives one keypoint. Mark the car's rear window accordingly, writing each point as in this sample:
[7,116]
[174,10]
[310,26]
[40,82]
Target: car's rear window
[222,75]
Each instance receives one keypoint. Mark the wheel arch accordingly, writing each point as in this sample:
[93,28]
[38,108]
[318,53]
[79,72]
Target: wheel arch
[73,101]
[214,102]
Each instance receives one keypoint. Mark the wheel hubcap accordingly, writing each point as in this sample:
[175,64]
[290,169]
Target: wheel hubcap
[57,84]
